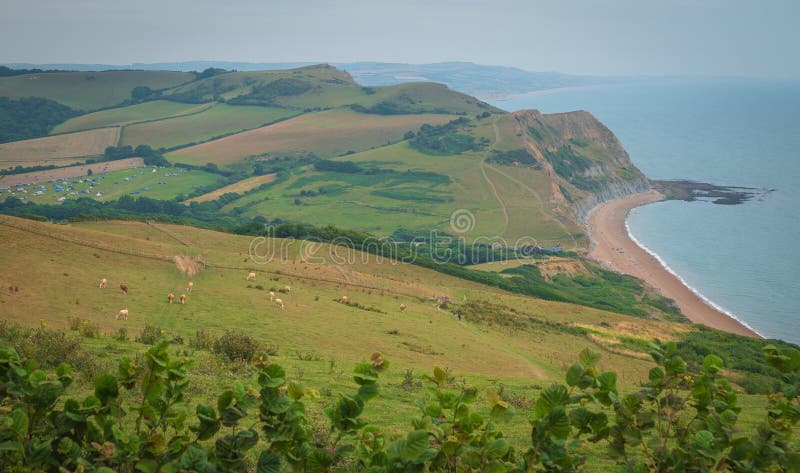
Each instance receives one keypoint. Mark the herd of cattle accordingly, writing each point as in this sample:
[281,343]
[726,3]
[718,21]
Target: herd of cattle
[123,313]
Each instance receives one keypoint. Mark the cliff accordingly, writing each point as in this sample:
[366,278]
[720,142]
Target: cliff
[585,162]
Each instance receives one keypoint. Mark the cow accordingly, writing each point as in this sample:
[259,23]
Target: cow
[271,295]
[279,303]
[103,283]
[285,290]
[251,276]
[183,298]
[344,300]
[403,307]
[189,287]
[122,314]
[170,297]
[124,288]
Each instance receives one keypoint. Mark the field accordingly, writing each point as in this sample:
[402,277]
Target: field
[69,172]
[155,110]
[58,150]
[217,120]
[236,188]
[88,90]
[329,133]
[317,339]
[165,184]
[421,195]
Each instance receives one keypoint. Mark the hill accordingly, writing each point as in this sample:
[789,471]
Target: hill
[88,91]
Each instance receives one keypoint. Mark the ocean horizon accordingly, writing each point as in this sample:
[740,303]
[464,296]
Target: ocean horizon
[741,259]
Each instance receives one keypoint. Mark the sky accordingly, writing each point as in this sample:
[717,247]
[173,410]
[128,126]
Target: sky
[599,37]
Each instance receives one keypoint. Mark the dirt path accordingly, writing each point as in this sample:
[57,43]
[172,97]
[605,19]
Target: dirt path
[491,184]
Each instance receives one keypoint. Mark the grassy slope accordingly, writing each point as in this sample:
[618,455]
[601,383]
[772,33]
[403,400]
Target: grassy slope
[334,336]
[125,115]
[59,150]
[329,133]
[218,120]
[366,202]
[88,90]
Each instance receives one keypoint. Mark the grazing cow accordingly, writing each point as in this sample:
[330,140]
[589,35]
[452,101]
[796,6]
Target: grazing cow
[183,298]
[103,283]
[344,300]
[124,288]
[171,297]
[271,296]
[122,314]
[251,276]
[189,287]
[279,303]
[285,290]
[403,307]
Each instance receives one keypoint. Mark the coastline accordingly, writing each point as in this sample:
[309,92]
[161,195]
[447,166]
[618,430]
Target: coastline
[615,247]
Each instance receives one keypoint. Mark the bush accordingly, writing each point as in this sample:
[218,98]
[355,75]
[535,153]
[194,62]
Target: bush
[122,334]
[150,334]
[203,340]
[236,345]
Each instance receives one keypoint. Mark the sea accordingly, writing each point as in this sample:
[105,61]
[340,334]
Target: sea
[744,259]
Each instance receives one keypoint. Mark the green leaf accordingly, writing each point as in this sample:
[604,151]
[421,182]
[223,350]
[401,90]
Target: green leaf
[555,395]
[147,465]
[608,380]
[105,388]
[713,364]
[497,448]
[656,375]
[225,400]
[675,366]
[268,462]
[19,422]
[574,374]
[439,375]
[364,374]
[295,390]
[588,357]
[704,439]
[415,445]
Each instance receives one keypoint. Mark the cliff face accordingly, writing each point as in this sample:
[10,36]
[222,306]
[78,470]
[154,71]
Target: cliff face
[585,162]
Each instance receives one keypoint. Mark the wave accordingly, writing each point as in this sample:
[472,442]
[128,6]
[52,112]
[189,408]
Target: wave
[685,283]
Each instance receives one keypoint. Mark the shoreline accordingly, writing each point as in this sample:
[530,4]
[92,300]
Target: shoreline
[615,247]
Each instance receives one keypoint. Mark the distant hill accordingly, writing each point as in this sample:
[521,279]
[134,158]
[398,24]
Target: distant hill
[475,79]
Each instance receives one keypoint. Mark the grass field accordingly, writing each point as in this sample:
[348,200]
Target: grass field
[59,149]
[236,188]
[88,90]
[219,119]
[165,184]
[503,203]
[126,115]
[329,133]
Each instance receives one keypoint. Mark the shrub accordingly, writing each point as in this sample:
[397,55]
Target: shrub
[122,334]
[203,340]
[236,345]
[150,334]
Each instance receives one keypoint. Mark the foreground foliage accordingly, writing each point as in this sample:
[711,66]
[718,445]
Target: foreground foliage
[139,420]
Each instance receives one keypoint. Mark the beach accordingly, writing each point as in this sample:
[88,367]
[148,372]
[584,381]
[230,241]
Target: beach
[614,247]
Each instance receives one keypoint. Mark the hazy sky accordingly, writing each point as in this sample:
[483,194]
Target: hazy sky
[714,37]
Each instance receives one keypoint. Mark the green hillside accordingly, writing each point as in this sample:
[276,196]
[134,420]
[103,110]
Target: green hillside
[155,110]
[89,91]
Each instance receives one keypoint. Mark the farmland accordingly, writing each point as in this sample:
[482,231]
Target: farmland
[59,149]
[334,133]
[214,121]
[239,187]
[155,110]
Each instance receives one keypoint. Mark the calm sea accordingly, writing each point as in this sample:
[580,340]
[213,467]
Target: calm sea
[745,259]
